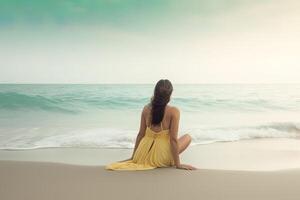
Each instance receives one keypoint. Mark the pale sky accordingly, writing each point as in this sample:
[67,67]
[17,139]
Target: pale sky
[220,41]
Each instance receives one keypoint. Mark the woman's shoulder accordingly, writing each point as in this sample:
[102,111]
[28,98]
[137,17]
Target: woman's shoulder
[173,109]
[147,107]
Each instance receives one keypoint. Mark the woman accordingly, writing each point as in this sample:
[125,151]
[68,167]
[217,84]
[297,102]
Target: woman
[156,143]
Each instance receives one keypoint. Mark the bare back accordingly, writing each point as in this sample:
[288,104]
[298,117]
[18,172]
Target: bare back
[166,121]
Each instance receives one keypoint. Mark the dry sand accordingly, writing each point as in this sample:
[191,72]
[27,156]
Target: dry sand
[56,181]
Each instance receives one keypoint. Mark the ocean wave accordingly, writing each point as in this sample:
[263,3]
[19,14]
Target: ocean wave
[234,104]
[230,134]
[15,101]
[69,103]
[85,102]
[118,138]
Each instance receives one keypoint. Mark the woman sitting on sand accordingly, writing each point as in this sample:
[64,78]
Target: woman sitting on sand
[156,143]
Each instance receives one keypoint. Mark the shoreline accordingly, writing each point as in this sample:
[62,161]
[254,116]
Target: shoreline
[246,155]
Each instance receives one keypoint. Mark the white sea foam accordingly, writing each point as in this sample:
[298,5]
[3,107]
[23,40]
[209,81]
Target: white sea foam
[118,138]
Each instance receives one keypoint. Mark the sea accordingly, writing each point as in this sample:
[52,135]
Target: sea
[108,115]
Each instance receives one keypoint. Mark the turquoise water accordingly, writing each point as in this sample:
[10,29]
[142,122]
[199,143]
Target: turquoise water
[107,116]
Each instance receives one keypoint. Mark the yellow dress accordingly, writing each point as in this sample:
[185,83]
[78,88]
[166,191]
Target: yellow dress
[154,151]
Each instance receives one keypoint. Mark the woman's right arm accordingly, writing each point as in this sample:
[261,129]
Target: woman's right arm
[174,141]
[173,136]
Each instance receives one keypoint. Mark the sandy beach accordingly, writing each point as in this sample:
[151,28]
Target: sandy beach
[225,172]
[37,180]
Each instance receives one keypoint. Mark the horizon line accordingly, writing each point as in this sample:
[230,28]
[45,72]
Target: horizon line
[105,83]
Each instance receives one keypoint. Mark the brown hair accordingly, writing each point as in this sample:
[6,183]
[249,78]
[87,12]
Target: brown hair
[161,97]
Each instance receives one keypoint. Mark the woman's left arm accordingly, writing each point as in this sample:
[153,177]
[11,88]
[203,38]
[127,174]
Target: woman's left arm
[140,135]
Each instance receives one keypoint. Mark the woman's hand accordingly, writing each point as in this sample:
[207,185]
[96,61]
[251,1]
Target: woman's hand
[186,167]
